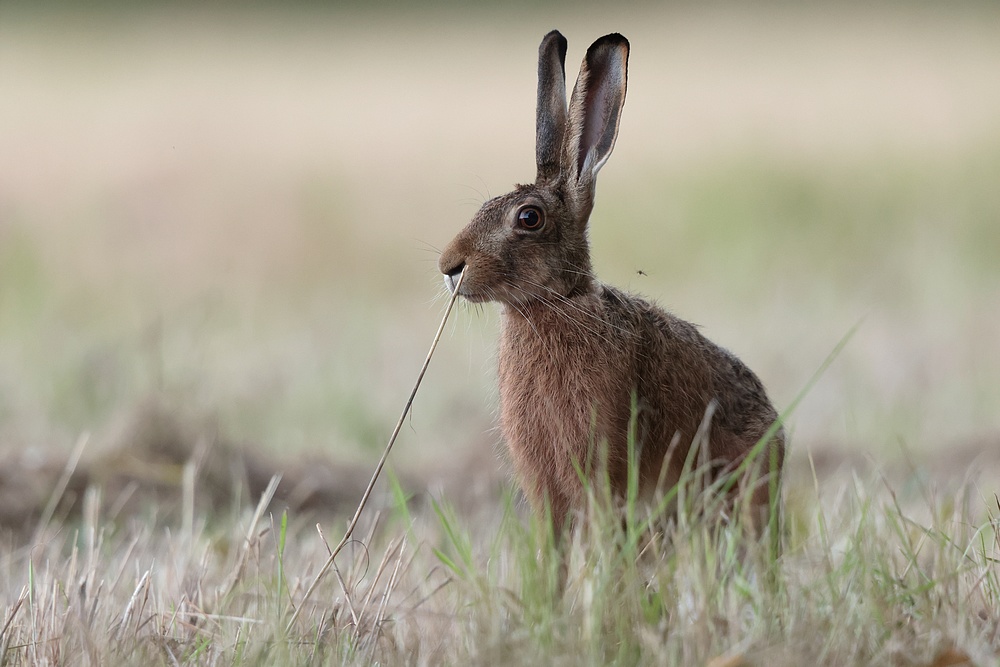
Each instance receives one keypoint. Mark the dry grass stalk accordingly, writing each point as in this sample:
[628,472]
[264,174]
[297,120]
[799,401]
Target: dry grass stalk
[385,455]
[60,488]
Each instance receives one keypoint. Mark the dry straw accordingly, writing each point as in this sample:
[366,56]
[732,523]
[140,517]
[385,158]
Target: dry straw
[381,462]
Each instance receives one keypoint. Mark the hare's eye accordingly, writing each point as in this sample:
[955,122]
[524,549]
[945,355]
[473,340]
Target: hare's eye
[530,218]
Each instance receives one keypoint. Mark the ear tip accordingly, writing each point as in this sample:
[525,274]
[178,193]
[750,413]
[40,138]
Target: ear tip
[614,40]
[557,37]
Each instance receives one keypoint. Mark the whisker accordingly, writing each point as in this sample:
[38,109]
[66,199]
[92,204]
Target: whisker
[541,339]
[558,309]
[481,198]
[583,311]
[427,246]
[485,187]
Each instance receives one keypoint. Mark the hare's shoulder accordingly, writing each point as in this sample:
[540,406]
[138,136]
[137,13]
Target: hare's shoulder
[675,353]
[654,324]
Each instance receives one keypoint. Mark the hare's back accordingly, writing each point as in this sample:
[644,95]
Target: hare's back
[682,373]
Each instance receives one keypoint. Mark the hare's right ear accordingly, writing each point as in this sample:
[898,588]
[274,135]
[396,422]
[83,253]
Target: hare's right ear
[594,114]
[550,114]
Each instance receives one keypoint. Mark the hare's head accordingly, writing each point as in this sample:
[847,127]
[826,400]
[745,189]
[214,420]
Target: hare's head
[532,242]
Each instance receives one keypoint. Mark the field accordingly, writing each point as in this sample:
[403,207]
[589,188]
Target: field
[218,241]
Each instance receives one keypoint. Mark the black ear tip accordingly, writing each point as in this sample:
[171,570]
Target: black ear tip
[560,41]
[610,41]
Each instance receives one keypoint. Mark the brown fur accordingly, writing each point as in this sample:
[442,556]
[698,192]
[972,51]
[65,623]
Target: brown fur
[577,356]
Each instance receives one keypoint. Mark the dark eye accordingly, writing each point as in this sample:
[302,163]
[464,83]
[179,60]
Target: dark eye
[530,218]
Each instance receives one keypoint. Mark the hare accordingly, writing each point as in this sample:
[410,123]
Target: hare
[579,359]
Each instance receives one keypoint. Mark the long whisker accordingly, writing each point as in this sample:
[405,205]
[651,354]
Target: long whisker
[426,246]
[541,339]
[558,308]
[569,302]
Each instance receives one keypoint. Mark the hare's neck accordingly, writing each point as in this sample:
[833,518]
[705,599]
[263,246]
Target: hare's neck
[586,285]
[561,315]
[578,278]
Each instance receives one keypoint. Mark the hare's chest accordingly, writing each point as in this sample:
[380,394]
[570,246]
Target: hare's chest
[559,389]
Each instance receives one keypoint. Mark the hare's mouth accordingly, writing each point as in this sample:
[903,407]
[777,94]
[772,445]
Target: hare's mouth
[451,281]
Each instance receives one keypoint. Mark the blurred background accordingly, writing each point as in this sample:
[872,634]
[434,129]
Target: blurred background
[230,215]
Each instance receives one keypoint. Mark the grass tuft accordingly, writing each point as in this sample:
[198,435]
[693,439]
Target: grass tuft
[871,573]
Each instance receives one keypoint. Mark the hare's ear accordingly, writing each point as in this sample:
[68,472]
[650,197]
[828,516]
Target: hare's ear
[550,114]
[594,112]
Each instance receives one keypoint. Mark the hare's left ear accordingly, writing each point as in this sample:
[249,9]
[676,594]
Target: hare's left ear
[594,113]
[550,113]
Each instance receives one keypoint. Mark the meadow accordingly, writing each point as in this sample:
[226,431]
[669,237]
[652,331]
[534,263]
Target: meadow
[218,241]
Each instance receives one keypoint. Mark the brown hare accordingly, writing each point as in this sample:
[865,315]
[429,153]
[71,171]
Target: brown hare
[579,358]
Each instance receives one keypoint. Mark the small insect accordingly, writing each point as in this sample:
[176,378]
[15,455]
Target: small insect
[641,272]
